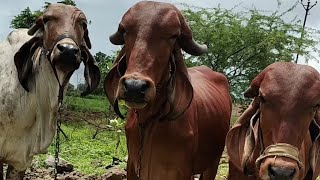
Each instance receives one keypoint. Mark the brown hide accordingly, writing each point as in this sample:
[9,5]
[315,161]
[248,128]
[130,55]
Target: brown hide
[180,128]
[270,90]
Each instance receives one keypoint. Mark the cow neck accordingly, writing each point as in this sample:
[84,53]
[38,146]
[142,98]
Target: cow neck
[145,120]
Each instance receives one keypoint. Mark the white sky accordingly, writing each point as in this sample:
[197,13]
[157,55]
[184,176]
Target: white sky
[106,14]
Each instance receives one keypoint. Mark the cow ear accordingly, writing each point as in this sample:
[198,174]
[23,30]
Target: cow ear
[253,90]
[314,157]
[23,61]
[86,37]
[240,140]
[112,80]
[91,71]
[179,88]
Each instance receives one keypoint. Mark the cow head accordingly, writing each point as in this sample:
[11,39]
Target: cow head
[62,33]
[151,63]
[286,101]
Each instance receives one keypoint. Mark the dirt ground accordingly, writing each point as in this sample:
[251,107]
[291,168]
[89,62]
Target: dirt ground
[37,173]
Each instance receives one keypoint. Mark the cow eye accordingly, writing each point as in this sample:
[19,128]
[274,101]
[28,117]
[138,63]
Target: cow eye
[261,98]
[174,36]
[45,20]
[84,24]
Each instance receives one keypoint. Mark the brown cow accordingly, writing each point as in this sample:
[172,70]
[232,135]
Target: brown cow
[277,137]
[178,118]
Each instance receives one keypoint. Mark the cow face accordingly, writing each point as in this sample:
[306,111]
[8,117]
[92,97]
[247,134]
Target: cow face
[288,96]
[62,28]
[62,33]
[151,33]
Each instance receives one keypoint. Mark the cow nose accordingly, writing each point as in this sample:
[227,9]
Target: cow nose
[281,173]
[68,49]
[135,87]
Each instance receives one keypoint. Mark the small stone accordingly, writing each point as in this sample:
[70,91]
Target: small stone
[63,165]
[115,174]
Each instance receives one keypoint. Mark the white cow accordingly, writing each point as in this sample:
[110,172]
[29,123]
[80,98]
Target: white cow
[28,85]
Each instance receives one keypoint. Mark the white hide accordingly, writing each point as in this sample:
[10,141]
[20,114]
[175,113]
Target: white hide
[27,119]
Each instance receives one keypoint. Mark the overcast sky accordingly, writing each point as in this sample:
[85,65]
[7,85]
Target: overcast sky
[106,14]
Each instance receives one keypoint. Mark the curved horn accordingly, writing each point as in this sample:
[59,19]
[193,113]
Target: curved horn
[186,42]
[117,37]
[35,26]
[192,47]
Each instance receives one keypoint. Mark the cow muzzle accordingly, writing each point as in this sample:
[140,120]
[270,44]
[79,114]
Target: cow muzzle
[136,91]
[66,55]
[279,161]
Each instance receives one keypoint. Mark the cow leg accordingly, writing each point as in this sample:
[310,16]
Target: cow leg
[131,174]
[13,174]
[211,172]
[1,171]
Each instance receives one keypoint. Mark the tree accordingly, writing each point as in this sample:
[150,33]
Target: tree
[26,18]
[81,87]
[240,45]
[104,62]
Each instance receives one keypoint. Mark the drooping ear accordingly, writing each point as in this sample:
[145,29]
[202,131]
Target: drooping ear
[253,90]
[37,25]
[314,157]
[91,71]
[111,81]
[23,61]
[86,38]
[240,140]
[179,82]
[117,37]
[186,41]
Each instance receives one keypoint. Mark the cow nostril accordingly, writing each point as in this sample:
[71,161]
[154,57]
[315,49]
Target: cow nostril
[144,87]
[60,47]
[279,172]
[75,50]
[68,48]
[135,86]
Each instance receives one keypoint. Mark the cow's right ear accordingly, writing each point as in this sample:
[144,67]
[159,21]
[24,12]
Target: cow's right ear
[23,61]
[314,157]
[240,140]
[253,90]
[111,81]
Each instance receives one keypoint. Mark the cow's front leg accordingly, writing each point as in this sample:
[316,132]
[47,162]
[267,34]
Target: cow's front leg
[131,173]
[1,170]
[13,174]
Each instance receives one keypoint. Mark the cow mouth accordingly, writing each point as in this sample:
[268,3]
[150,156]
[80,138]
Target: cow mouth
[66,64]
[136,103]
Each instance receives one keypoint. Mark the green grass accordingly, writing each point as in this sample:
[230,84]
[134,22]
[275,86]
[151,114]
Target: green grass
[89,156]
[94,104]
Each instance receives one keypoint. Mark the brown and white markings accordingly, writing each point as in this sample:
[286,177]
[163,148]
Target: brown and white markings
[32,70]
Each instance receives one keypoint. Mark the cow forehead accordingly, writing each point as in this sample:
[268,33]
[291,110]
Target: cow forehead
[296,84]
[151,14]
[61,10]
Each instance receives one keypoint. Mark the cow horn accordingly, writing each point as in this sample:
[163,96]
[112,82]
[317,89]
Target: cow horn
[186,41]
[117,37]
[192,47]
[34,28]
